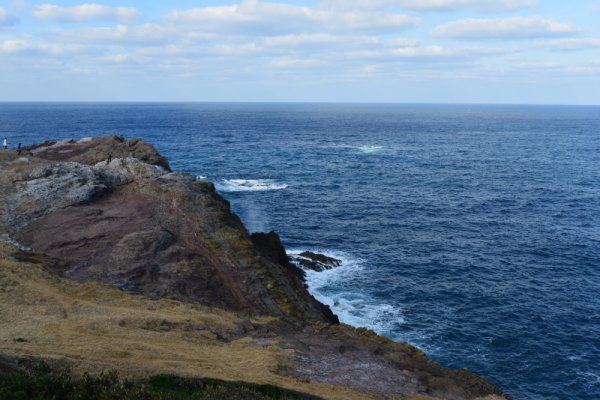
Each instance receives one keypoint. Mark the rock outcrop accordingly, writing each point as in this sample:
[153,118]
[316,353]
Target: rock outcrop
[111,211]
[131,223]
[315,261]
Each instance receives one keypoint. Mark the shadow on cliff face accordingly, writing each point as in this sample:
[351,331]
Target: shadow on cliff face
[109,210]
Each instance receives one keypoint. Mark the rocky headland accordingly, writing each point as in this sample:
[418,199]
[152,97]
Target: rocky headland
[110,260]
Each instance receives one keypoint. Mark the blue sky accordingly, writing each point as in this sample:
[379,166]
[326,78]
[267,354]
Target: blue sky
[440,51]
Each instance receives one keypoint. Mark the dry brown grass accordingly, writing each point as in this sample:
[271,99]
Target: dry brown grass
[93,328]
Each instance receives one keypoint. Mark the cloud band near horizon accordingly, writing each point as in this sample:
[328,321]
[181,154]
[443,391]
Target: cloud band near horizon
[356,43]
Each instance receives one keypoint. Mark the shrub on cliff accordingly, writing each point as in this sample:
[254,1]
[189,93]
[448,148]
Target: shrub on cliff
[41,383]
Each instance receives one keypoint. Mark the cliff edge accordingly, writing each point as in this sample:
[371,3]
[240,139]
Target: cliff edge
[171,281]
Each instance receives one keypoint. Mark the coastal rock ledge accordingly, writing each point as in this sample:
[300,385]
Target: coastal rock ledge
[110,260]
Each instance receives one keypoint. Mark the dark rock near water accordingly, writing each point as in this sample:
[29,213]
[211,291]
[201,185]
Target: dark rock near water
[270,246]
[315,261]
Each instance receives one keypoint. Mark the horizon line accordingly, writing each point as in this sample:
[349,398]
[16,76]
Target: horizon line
[290,102]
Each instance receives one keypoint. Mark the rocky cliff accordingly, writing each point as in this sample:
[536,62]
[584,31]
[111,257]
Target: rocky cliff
[110,211]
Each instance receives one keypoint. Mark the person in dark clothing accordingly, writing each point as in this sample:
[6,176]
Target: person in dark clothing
[19,149]
[109,159]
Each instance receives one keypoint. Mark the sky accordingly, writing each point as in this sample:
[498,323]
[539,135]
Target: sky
[404,51]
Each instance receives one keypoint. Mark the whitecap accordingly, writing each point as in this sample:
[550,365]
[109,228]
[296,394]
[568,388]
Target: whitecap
[353,307]
[365,148]
[201,177]
[249,185]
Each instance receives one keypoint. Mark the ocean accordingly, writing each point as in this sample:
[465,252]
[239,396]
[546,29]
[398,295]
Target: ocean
[470,231]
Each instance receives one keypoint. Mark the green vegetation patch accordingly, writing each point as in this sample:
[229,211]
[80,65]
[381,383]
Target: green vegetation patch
[41,383]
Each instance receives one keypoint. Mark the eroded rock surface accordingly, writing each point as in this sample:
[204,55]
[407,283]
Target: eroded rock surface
[110,210]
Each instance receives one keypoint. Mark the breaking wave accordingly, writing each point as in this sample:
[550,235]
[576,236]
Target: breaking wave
[369,149]
[364,149]
[334,287]
[249,185]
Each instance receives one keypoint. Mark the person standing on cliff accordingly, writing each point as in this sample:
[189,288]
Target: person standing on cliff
[19,149]
[5,143]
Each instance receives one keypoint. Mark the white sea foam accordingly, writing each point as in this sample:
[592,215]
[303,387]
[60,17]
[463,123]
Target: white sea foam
[201,177]
[249,185]
[365,148]
[353,307]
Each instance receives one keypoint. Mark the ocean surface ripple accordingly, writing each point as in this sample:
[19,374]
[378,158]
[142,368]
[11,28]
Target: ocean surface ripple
[472,232]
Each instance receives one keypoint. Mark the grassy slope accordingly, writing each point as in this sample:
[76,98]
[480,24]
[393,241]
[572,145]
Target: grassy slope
[94,328]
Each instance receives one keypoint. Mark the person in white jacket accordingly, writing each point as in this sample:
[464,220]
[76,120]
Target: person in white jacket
[5,143]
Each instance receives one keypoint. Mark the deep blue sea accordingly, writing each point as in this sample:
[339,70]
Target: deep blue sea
[472,232]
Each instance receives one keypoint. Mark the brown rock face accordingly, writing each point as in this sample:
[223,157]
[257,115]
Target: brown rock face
[270,247]
[130,222]
[110,210]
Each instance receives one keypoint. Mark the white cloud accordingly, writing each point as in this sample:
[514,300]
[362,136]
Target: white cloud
[506,28]
[263,18]
[400,42]
[570,44]
[85,12]
[18,5]
[295,64]
[259,53]
[480,5]
[562,68]
[538,66]
[317,43]
[19,46]
[119,35]
[6,19]
[428,53]
[247,36]
[231,50]
[118,58]
[369,69]
[293,40]
[190,52]
[435,5]
[360,21]
[13,46]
